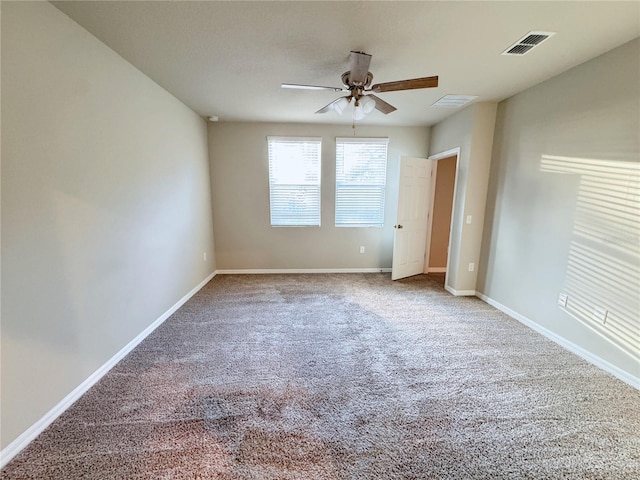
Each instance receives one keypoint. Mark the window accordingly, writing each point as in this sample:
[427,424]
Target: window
[294,181]
[361,176]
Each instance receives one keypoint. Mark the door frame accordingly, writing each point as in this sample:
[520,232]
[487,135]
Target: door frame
[440,156]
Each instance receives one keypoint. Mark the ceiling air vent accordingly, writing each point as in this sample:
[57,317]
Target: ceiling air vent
[454,101]
[526,43]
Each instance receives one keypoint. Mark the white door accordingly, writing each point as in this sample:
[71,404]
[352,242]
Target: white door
[413,214]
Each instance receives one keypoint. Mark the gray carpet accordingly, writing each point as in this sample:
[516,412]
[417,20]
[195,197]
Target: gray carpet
[342,376]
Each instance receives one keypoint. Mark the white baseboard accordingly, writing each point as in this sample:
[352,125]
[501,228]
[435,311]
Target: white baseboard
[460,293]
[437,270]
[254,271]
[34,430]
[572,347]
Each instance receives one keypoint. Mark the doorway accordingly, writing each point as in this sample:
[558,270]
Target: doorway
[440,217]
[415,230]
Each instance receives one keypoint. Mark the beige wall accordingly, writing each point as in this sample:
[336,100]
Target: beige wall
[562,211]
[106,208]
[471,130]
[239,177]
[442,208]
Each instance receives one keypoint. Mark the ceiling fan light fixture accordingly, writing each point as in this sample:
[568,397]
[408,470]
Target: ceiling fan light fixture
[368,104]
[340,105]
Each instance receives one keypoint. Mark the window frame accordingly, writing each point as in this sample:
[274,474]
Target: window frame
[280,217]
[341,183]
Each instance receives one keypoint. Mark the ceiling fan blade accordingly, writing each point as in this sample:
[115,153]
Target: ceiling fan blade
[359,67]
[329,107]
[425,82]
[383,106]
[310,87]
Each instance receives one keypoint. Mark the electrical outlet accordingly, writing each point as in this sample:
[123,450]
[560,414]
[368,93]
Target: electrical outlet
[472,267]
[469,219]
[562,299]
[362,249]
[600,315]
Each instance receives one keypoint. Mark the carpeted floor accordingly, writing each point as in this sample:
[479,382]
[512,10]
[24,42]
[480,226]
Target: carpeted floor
[343,376]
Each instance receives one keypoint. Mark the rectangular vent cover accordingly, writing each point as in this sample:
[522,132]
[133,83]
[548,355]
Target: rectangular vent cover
[526,43]
[519,49]
[454,101]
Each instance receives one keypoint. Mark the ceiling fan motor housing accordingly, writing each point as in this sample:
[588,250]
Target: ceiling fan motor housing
[352,86]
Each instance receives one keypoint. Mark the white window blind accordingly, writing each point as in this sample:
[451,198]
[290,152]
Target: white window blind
[294,181]
[361,176]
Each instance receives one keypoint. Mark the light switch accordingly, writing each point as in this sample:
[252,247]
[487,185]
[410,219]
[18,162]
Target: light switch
[562,299]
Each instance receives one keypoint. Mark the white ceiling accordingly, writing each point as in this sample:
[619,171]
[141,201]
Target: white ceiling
[229,58]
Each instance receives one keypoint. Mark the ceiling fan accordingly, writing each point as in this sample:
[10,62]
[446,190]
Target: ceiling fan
[357,82]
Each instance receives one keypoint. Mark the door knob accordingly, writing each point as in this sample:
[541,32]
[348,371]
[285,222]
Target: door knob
[397,226]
